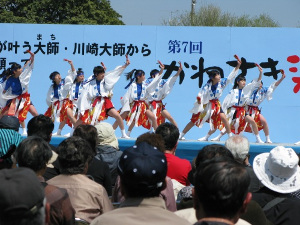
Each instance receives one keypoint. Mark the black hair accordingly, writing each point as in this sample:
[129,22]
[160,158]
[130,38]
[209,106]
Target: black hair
[74,153]
[52,76]
[153,139]
[221,187]
[211,74]
[97,70]
[34,153]
[153,72]
[88,133]
[206,153]
[237,79]
[212,151]
[78,72]
[10,71]
[41,126]
[134,73]
[169,133]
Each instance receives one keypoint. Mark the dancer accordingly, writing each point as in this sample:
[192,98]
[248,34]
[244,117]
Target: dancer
[207,108]
[161,91]
[95,104]
[256,98]
[57,96]
[134,107]
[234,106]
[15,99]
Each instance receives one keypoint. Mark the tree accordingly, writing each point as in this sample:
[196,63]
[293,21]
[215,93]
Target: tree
[211,15]
[59,12]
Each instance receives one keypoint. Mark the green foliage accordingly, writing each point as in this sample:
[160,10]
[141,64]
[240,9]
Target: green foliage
[59,12]
[211,15]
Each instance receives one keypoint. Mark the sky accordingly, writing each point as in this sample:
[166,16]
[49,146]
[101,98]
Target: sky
[154,12]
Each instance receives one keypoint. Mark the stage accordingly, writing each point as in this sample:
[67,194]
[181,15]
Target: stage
[188,149]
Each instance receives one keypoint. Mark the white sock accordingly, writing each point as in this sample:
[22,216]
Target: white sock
[181,135]
[128,133]
[123,132]
[59,132]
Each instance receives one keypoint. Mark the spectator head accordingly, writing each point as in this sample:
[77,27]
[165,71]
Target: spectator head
[41,126]
[143,170]
[22,198]
[106,135]
[170,134]
[152,139]
[278,169]
[206,153]
[9,122]
[34,153]
[74,155]
[88,133]
[221,189]
[239,147]
[9,140]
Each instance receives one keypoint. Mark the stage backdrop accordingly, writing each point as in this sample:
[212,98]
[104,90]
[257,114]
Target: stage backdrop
[198,48]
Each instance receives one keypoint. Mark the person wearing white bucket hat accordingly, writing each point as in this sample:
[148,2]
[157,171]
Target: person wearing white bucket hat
[280,173]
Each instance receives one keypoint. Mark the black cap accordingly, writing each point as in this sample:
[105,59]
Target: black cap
[21,193]
[9,122]
[143,165]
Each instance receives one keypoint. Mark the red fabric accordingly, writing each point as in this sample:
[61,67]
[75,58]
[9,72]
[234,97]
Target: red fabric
[254,110]
[178,169]
[23,112]
[216,119]
[11,108]
[143,118]
[160,107]
[239,113]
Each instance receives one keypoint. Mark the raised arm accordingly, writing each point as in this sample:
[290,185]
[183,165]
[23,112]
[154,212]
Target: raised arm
[162,67]
[234,72]
[260,72]
[127,62]
[281,79]
[239,62]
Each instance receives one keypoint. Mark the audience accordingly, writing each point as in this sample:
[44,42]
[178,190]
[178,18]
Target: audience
[221,192]
[22,198]
[254,214]
[178,169]
[42,126]
[108,148]
[34,153]
[98,170]
[239,147]
[279,171]
[88,198]
[167,194]
[142,169]
[9,140]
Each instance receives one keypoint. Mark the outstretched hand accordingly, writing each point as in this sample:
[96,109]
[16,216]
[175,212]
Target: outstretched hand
[259,67]
[104,67]
[238,59]
[127,60]
[162,66]
[283,74]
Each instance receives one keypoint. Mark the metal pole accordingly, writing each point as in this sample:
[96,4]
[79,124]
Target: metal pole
[193,12]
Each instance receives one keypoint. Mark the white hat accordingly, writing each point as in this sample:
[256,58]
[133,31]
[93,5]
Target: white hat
[278,170]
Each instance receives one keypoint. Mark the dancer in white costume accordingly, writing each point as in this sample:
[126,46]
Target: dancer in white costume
[234,106]
[14,97]
[163,88]
[135,110]
[95,104]
[256,98]
[207,107]
[57,96]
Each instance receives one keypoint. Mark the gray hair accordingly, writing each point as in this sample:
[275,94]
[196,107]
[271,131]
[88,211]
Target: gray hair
[239,147]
